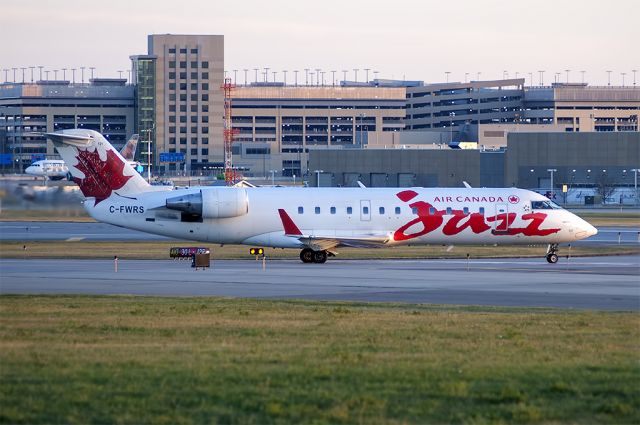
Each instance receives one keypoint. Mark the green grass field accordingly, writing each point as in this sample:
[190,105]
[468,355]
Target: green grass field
[76,359]
[160,250]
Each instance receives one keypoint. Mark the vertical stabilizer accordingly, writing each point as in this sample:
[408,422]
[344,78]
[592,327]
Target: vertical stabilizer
[96,166]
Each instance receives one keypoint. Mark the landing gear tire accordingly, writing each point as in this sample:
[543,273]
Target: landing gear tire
[307,255]
[320,257]
[552,253]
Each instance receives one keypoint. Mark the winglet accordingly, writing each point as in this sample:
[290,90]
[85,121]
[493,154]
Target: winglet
[290,227]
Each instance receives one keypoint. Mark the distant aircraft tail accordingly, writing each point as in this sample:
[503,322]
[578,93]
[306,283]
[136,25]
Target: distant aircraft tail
[128,151]
[96,166]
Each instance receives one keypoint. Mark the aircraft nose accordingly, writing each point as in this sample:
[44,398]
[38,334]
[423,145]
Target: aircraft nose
[586,230]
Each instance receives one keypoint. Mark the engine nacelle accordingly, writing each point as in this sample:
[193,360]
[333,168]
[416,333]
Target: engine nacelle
[212,203]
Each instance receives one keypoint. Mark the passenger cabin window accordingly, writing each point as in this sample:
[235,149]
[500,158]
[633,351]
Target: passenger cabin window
[544,205]
[317,210]
[300,210]
[333,210]
[414,210]
[465,210]
[432,210]
[349,210]
[365,210]
[481,210]
[449,211]
[397,210]
[381,209]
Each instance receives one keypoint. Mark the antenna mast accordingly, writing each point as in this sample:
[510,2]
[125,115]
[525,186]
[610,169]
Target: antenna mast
[229,131]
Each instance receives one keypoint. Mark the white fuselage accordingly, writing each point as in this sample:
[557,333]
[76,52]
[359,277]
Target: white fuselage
[52,168]
[405,215]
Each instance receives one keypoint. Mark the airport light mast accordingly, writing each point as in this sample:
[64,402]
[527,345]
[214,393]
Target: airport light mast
[228,133]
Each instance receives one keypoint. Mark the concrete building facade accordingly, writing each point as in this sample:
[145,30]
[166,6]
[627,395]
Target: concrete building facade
[278,125]
[187,72]
[104,105]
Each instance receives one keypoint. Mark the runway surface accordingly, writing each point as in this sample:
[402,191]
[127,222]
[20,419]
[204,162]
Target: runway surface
[72,231]
[602,283]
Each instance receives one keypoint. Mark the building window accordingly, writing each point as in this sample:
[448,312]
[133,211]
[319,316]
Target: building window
[172,108]
[172,129]
[194,75]
[172,64]
[205,108]
[205,64]
[205,140]
[205,119]
[183,97]
[172,118]
[183,75]
[194,50]
[194,86]
[183,108]
[205,86]
[332,210]
[194,108]
[194,64]
[172,140]
[205,75]
[194,129]
[183,140]
[172,97]
[205,151]
[183,86]
[172,50]
[205,97]
[172,75]
[172,86]
[205,130]
[194,118]
[183,130]
[300,210]
[194,97]
[183,50]
[183,118]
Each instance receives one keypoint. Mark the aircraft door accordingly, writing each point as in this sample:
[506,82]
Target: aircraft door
[502,218]
[365,210]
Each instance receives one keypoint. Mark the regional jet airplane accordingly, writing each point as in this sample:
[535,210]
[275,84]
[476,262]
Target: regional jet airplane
[314,220]
[55,169]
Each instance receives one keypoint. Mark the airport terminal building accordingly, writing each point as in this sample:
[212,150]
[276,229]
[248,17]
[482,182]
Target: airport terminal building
[104,104]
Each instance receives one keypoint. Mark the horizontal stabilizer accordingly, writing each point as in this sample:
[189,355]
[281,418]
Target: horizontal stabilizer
[71,139]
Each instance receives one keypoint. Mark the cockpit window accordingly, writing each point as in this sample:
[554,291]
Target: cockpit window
[544,205]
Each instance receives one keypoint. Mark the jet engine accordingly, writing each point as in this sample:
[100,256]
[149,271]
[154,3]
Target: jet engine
[212,203]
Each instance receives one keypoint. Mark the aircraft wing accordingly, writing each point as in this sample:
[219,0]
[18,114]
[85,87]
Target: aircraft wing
[321,242]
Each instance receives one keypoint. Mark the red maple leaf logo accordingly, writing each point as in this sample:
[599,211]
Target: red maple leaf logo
[514,199]
[100,177]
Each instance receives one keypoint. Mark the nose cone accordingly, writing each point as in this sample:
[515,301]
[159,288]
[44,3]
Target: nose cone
[30,169]
[585,230]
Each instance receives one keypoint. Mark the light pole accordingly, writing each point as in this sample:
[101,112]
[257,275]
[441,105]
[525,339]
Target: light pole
[635,183]
[273,177]
[361,116]
[318,176]
[552,170]
[451,115]
[609,77]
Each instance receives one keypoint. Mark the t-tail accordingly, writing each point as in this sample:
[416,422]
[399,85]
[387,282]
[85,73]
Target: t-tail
[128,151]
[96,167]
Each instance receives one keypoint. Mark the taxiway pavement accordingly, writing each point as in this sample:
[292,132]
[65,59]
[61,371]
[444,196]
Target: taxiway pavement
[601,283]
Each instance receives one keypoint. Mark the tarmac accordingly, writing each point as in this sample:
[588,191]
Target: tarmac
[597,283]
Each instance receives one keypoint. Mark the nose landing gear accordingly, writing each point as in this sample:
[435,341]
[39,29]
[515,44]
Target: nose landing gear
[308,255]
[552,253]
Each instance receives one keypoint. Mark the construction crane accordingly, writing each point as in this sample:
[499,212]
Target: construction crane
[229,174]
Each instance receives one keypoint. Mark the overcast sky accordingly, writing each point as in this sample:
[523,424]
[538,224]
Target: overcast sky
[416,39]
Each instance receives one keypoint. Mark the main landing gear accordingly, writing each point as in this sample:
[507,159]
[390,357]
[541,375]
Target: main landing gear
[552,253]
[308,255]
